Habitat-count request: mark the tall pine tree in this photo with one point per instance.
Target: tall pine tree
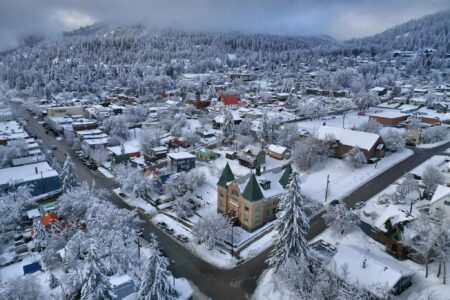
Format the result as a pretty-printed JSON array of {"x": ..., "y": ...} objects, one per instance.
[
  {"x": 155, "y": 283},
  {"x": 95, "y": 284},
  {"x": 291, "y": 225},
  {"x": 67, "y": 176},
  {"x": 228, "y": 128}
]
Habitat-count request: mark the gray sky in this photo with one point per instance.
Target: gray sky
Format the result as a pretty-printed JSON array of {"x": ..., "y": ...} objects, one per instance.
[{"x": 341, "y": 19}]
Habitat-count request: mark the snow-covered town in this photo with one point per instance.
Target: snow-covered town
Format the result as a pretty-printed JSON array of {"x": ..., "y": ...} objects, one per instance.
[{"x": 139, "y": 162}]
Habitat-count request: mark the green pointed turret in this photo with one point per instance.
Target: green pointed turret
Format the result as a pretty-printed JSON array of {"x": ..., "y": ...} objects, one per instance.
[
  {"x": 284, "y": 180},
  {"x": 227, "y": 176},
  {"x": 252, "y": 191}
]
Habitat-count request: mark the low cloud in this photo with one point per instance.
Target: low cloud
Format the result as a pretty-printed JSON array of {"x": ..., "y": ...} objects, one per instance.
[{"x": 342, "y": 19}]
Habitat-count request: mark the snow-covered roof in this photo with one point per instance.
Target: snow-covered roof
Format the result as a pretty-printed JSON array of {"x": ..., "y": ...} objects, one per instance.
[
  {"x": 273, "y": 176},
  {"x": 389, "y": 114},
  {"x": 180, "y": 155},
  {"x": 26, "y": 173},
  {"x": 393, "y": 213},
  {"x": 277, "y": 148},
  {"x": 376, "y": 272},
  {"x": 353, "y": 138},
  {"x": 441, "y": 192},
  {"x": 96, "y": 141}
]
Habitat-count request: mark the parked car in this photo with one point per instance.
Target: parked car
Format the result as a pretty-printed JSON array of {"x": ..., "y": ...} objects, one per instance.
[
  {"x": 123, "y": 195},
  {"x": 359, "y": 205},
  {"x": 161, "y": 225},
  {"x": 169, "y": 230},
  {"x": 334, "y": 202},
  {"x": 54, "y": 147},
  {"x": 182, "y": 238}
]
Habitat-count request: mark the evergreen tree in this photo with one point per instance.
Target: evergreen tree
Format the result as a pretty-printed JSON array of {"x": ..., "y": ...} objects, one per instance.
[
  {"x": 95, "y": 284},
  {"x": 155, "y": 283},
  {"x": 291, "y": 225},
  {"x": 228, "y": 129},
  {"x": 67, "y": 176}
]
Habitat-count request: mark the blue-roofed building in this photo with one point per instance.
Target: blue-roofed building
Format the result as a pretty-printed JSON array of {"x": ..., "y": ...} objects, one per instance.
[{"x": 40, "y": 177}]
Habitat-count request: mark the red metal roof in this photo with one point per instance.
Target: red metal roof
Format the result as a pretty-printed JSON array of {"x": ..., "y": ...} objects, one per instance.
[{"x": 229, "y": 99}]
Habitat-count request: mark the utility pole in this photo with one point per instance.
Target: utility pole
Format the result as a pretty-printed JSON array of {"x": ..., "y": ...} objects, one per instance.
[
  {"x": 343, "y": 119},
  {"x": 173, "y": 272},
  {"x": 326, "y": 189}
]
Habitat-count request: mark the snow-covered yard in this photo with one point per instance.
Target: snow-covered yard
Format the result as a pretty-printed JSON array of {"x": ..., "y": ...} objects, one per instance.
[
  {"x": 345, "y": 179},
  {"x": 136, "y": 202}
]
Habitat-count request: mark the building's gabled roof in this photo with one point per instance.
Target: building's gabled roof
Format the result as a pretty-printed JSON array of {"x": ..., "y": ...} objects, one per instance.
[
  {"x": 284, "y": 180},
  {"x": 227, "y": 176},
  {"x": 348, "y": 137},
  {"x": 441, "y": 192},
  {"x": 252, "y": 191}
]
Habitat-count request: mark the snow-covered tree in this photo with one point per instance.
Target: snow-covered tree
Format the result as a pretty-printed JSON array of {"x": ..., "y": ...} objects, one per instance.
[
  {"x": 434, "y": 134},
  {"x": 41, "y": 236},
  {"x": 14, "y": 204},
  {"x": 228, "y": 128},
  {"x": 176, "y": 185},
  {"x": 183, "y": 207},
  {"x": 149, "y": 139},
  {"x": 393, "y": 139},
  {"x": 313, "y": 109},
  {"x": 339, "y": 217},
  {"x": 371, "y": 126},
  {"x": 74, "y": 203},
  {"x": 267, "y": 131},
  {"x": 116, "y": 126},
  {"x": 291, "y": 226},
  {"x": 364, "y": 100},
  {"x": 22, "y": 287},
  {"x": 131, "y": 180},
  {"x": 422, "y": 238},
  {"x": 431, "y": 178},
  {"x": 355, "y": 157},
  {"x": 407, "y": 188},
  {"x": 212, "y": 228},
  {"x": 95, "y": 283},
  {"x": 309, "y": 151},
  {"x": 67, "y": 176},
  {"x": 441, "y": 248},
  {"x": 155, "y": 282}
]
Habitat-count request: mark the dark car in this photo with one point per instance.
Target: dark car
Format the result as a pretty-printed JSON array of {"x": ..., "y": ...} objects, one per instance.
[
  {"x": 169, "y": 230},
  {"x": 334, "y": 202},
  {"x": 123, "y": 195},
  {"x": 182, "y": 238},
  {"x": 162, "y": 225}
]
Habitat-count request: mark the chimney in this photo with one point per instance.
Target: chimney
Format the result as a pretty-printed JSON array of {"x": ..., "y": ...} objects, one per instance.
[{"x": 36, "y": 170}]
